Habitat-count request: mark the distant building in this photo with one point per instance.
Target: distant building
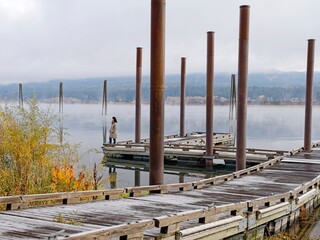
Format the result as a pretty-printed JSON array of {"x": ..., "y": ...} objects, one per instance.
[{"x": 261, "y": 99}]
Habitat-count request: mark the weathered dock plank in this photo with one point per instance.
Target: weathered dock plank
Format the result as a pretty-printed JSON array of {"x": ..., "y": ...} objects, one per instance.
[
  {"x": 218, "y": 204},
  {"x": 17, "y": 227}
]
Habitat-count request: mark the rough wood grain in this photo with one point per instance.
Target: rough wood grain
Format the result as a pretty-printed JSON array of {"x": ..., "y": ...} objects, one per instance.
[{"x": 275, "y": 183}]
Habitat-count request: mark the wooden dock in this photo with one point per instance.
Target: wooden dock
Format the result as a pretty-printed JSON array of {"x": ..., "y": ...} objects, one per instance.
[
  {"x": 267, "y": 197},
  {"x": 190, "y": 147}
]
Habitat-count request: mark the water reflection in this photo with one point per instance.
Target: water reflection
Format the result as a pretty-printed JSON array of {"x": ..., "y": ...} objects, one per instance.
[
  {"x": 264, "y": 122},
  {"x": 137, "y": 178},
  {"x": 175, "y": 171},
  {"x": 269, "y": 127},
  {"x": 113, "y": 177}
]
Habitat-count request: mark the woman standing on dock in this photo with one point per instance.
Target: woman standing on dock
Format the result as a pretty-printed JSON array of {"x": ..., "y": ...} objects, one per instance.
[{"x": 113, "y": 131}]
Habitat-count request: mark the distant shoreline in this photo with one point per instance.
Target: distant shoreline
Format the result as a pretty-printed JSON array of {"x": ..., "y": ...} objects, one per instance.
[
  {"x": 176, "y": 101},
  {"x": 171, "y": 101},
  {"x": 268, "y": 88}
]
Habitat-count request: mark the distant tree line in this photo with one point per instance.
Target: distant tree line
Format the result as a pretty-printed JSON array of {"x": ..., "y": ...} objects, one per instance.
[{"x": 278, "y": 86}]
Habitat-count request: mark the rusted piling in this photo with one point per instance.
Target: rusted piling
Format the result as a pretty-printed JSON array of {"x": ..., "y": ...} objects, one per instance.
[
  {"x": 309, "y": 99},
  {"x": 242, "y": 86},
  {"x": 157, "y": 87},
  {"x": 20, "y": 95},
  {"x": 182, "y": 96},
  {"x": 209, "y": 94},
  {"x": 138, "y": 94}
]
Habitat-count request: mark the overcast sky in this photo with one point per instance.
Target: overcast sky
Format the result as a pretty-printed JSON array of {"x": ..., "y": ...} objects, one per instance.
[{"x": 42, "y": 40}]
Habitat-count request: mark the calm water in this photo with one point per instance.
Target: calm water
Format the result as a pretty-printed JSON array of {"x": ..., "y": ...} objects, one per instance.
[{"x": 269, "y": 127}]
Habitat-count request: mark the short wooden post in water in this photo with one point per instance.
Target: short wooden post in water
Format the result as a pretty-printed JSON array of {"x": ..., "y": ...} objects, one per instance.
[
  {"x": 61, "y": 112},
  {"x": 20, "y": 95},
  {"x": 104, "y": 98},
  {"x": 232, "y": 106},
  {"x": 61, "y": 98},
  {"x": 104, "y": 112}
]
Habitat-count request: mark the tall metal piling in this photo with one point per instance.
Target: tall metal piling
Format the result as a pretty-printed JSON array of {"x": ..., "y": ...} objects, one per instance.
[
  {"x": 182, "y": 96},
  {"x": 242, "y": 86},
  {"x": 20, "y": 96},
  {"x": 209, "y": 94},
  {"x": 157, "y": 87},
  {"x": 138, "y": 94},
  {"x": 309, "y": 98}
]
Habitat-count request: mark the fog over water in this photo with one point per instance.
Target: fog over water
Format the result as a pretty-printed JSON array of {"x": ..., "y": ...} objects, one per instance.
[
  {"x": 269, "y": 127},
  {"x": 265, "y": 123}
]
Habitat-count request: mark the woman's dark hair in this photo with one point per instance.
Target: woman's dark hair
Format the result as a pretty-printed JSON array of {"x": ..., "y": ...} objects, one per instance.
[{"x": 114, "y": 119}]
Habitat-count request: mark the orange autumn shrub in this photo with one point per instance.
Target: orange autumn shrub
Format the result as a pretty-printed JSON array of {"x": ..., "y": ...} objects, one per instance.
[{"x": 63, "y": 179}]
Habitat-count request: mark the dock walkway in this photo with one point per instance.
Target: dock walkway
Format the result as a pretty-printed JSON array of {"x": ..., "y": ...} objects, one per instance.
[
  {"x": 190, "y": 147},
  {"x": 270, "y": 196}
]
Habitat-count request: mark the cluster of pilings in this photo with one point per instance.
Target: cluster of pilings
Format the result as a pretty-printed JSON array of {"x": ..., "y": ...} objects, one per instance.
[
  {"x": 157, "y": 91},
  {"x": 157, "y": 95}
]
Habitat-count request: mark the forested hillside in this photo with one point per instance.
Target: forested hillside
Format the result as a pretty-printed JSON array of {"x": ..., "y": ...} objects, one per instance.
[{"x": 277, "y": 87}]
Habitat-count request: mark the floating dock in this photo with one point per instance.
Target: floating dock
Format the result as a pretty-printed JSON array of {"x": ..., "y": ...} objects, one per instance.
[{"x": 190, "y": 147}]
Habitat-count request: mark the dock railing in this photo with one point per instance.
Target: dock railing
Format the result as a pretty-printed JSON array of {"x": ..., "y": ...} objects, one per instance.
[
  {"x": 278, "y": 210},
  {"x": 222, "y": 221},
  {"x": 25, "y": 201}
]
